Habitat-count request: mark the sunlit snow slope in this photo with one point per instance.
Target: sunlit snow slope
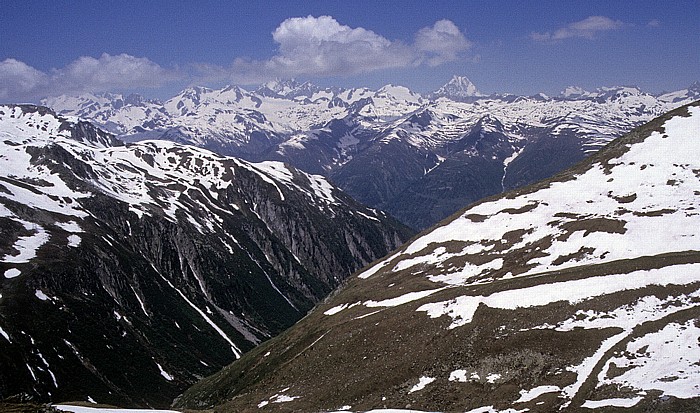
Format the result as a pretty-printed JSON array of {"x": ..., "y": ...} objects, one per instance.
[{"x": 578, "y": 293}]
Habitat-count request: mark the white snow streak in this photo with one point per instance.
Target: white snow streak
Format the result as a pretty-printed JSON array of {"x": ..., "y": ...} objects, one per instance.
[
  {"x": 223, "y": 335},
  {"x": 462, "y": 309}
]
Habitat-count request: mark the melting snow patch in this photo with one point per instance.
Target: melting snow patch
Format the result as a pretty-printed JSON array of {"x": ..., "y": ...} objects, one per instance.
[
  {"x": 70, "y": 226},
  {"x": 584, "y": 370},
  {"x": 40, "y": 295},
  {"x": 594, "y": 404},
  {"x": 27, "y": 246},
  {"x": 339, "y": 308},
  {"x": 163, "y": 373},
  {"x": 422, "y": 382},
  {"x": 4, "y": 334},
  {"x": 493, "y": 377},
  {"x": 73, "y": 240},
  {"x": 628, "y": 316},
  {"x": 665, "y": 360},
  {"x": 462, "y": 309},
  {"x": 82, "y": 409},
  {"x": 490, "y": 409},
  {"x": 278, "y": 398},
  {"x": 402, "y": 299},
  {"x": 12, "y": 273},
  {"x": 459, "y": 375},
  {"x": 528, "y": 395}
]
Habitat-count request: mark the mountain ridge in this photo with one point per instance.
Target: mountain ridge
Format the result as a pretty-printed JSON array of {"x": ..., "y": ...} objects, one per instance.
[
  {"x": 525, "y": 300},
  {"x": 347, "y": 134},
  {"x": 131, "y": 270}
]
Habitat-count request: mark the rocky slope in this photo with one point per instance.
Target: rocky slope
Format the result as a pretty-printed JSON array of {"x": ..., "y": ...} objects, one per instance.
[
  {"x": 578, "y": 293},
  {"x": 417, "y": 157},
  {"x": 127, "y": 272}
]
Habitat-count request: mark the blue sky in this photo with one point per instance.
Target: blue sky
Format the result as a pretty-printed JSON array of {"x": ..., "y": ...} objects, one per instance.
[{"x": 159, "y": 47}]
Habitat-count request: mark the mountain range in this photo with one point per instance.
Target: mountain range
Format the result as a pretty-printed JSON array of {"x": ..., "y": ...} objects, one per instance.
[
  {"x": 578, "y": 293},
  {"x": 419, "y": 158},
  {"x": 129, "y": 271}
]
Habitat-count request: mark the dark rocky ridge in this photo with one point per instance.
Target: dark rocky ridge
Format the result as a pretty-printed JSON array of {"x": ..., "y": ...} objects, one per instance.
[{"x": 220, "y": 256}]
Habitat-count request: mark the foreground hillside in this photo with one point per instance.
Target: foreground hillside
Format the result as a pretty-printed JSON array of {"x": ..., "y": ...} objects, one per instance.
[
  {"x": 580, "y": 293},
  {"x": 127, "y": 272}
]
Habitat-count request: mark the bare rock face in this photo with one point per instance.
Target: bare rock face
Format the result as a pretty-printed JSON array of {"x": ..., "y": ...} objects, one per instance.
[
  {"x": 127, "y": 272},
  {"x": 579, "y": 292}
]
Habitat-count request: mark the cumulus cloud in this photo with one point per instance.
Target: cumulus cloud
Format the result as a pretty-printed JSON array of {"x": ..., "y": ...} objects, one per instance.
[
  {"x": 587, "y": 28},
  {"x": 654, "y": 23},
  {"x": 441, "y": 43},
  {"x": 306, "y": 46},
  {"x": 321, "y": 46},
  {"x": 18, "y": 81},
  {"x": 21, "y": 82}
]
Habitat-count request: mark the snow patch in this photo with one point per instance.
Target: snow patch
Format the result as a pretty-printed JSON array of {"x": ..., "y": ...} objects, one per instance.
[
  {"x": 28, "y": 245},
  {"x": 462, "y": 309},
  {"x": 82, "y": 409},
  {"x": 70, "y": 226},
  {"x": 532, "y": 394},
  {"x": 4, "y": 334},
  {"x": 422, "y": 382},
  {"x": 594, "y": 404},
  {"x": 666, "y": 360},
  {"x": 402, "y": 299},
  {"x": 40, "y": 295},
  {"x": 459, "y": 375},
  {"x": 73, "y": 240},
  {"x": 163, "y": 373}
]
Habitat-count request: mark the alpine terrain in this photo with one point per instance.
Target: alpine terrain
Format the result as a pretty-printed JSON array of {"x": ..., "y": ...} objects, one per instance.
[
  {"x": 129, "y": 271},
  {"x": 420, "y": 158},
  {"x": 578, "y": 293}
]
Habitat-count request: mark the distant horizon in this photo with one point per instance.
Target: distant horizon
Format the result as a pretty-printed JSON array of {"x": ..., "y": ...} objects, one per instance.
[
  {"x": 254, "y": 87},
  {"x": 158, "y": 48}
]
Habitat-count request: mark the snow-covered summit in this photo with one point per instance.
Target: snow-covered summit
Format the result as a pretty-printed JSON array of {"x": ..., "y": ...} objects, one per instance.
[
  {"x": 287, "y": 88},
  {"x": 458, "y": 88}
]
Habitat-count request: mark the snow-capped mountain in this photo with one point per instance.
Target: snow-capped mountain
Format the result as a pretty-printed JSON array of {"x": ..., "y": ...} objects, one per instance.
[
  {"x": 129, "y": 271},
  {"x": 392, "y": 138},
  {"x": 580, "y": 292},
  {"x": 459, "y": 88}
]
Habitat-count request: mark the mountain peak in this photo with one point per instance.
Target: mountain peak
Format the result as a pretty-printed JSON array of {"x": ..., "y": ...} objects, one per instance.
[
  {"x": 695, "y": 87},
  {"x": 288, "y": 88},
  {"x": 459, "y": 87}
]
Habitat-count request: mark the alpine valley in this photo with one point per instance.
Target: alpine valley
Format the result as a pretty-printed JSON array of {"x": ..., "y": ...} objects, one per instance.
[
  {"x": 128, "y": 272},
  {"x": 578, "y": 293},
  {"x": 418, "y": 157}
]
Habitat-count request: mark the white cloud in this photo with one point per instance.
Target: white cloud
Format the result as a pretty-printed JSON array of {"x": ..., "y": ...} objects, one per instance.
[
  {"x": 587, "y": 28},
  {"x": 307, "y": 46},
  {"x": 21, "y": 82},
  {"x": 120, "y": 71},
  {"x": 321, "y": 46},
  {"x": 654, "y": 23},
  {"x": 441, "y": 43}
]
